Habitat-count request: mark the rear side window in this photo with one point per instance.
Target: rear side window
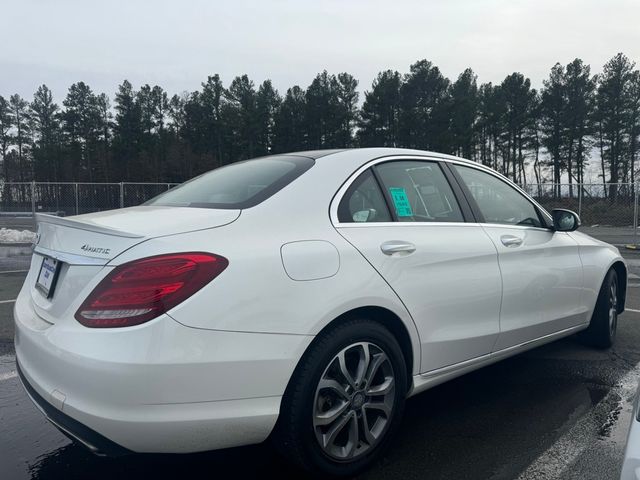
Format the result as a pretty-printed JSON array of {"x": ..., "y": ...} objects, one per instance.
[
  {"x": 363, "y": 202},
  {"x": 498, "y": 201},
  {"x": 419, "y": 192},
  {"x": 236, "y": 186}
]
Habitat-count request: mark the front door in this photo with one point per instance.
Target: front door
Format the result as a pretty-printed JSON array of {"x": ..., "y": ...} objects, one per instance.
[{"x": 541, "y": 269}]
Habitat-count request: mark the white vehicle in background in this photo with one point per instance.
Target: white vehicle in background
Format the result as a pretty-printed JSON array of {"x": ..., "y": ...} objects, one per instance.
[
  {"x": 631, "y": 463},
  {"x": 301, "y": 297}
]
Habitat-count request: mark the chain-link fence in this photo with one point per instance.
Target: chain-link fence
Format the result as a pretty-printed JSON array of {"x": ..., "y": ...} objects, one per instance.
[
  {"x": 608, "y": 211},
  {"x": 20, "y": 200},
  {"x": 611, "y": 205}
]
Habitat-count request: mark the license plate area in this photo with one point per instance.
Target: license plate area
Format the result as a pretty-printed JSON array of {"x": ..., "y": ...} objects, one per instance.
[{"x": 48, "y": 276}]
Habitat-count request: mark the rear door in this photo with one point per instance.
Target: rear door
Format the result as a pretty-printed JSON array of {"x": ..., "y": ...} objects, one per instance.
[
  {"x": 541, "y": 269},
  {"x": 416, "y": 230}
]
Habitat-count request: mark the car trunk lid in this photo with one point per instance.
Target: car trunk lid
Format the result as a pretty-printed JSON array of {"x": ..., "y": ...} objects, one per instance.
[{"x": 84, "y": 244}]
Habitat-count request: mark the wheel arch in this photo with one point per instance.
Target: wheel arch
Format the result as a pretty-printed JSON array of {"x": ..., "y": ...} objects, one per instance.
[{"x": 390, "y": 320}]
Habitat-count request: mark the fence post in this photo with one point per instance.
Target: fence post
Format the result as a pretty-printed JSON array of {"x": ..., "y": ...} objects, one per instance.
[
  {"x": 168, "y": 186},
  {"x": 75, "y": 188},
  {"x": 580, "y": 188},
  {"x": 33, "y": 201},
  {"x": 121, "y": 194},
  {"x": 635, "y": 215}
]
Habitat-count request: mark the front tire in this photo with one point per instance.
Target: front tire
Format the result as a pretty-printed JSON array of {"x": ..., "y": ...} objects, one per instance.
[
  {"x": 344, "y": 401},
  {"x": 604, "y": 322}
]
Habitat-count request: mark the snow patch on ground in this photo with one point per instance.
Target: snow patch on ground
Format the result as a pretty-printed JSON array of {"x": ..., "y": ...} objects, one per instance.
[{"x": 8, "y": 235}]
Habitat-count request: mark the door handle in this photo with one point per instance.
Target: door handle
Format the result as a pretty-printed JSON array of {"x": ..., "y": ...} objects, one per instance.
[
  {"x": 397, "y": 246},
  {"x": 511, "y": 241}
]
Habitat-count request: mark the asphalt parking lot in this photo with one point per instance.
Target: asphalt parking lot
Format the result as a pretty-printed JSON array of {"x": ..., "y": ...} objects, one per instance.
[{"x": 559, "y": 411}]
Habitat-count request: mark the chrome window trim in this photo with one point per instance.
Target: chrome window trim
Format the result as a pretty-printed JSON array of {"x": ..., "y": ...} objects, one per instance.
[
  {"x": 438, "y": 224},
  {"x": 337, "y": 198},
  {"x": 504, "y": 179},
  {"x": 405, "y": 224}
]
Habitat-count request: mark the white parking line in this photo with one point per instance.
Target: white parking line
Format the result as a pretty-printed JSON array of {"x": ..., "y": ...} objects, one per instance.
[
  {"x": 557, "y": 459},
  {"x": 7, "y": 301},
  {"x": 7, "y": 367},
  {"x": 631, "y": 310},
  {"x": 8, "y": 375},
  {"x": 14, "y": 271}
]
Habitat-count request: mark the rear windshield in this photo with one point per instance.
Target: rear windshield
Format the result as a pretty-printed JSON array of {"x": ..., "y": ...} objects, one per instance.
[{"x": 239, "y": 185}]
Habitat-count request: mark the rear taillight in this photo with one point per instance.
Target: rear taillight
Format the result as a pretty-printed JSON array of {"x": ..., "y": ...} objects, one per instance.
[{"x": 139, "y": 291}]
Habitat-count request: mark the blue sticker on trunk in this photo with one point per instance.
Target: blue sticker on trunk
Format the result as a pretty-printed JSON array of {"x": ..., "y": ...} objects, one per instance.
[{"x": 401, "y": 202}]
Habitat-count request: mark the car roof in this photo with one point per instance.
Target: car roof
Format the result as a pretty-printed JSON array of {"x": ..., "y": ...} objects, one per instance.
[
  {"x": 314, "y": 154},
  {"x": 339, "y": 154}
]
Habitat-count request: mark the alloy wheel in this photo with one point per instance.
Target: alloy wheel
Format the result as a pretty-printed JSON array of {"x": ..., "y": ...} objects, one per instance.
[
  {"x": 354, "y": 401},
  {"x": 613, "y": 307}
]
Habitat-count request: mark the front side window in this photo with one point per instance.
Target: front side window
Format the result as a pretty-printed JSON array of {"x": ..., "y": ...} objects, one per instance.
[
  {"x": 239, "y": 185},
  {"x": 498, "y": 201},
  {"x": 419, "y": 192},
  {"x": 363, "y": 202}
]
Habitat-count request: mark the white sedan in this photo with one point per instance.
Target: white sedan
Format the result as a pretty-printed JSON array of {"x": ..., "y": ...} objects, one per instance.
[{"x": 298, "y": 297}]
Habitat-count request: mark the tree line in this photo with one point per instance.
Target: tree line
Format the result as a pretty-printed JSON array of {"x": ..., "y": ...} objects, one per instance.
[{"x": 146, "y": 135}]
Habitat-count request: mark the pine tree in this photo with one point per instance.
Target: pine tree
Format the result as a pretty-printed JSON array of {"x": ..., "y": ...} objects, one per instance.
[
  {"x": 553, "y": 106},
  {"x": 267, "y": 104},
  {"x": 212, "y": 97},
  {"x": 464, "y": 113},
  {"x": 241, "y": 111},
  {"x": 519, "y": 99},
  {"x": 18, "y": 109},
  {"x": 491, "y": 124},
  {"x": 82, "y": 127},
  {"x": 290, "y": 132},
  {"x": 380, "y": 112},
  {"x": 633, "y": 128},
  {"x": 347, "y": 109},
  {"x": 424, "y": 119},
  {"x": 613, "y": 113},
  {"x": 127, "y": 132},
  {"x": 44, "y": 114},
  {"x": 323, "y": 119},
  {"x": 6, "y": 124}
]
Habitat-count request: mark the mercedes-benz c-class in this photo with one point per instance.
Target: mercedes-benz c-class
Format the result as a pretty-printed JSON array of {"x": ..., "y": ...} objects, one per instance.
[{"x": 299, "y": 298}]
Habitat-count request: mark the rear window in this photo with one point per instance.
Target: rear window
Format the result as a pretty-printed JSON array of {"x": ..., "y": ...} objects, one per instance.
[{"x": 239, "y": 185}]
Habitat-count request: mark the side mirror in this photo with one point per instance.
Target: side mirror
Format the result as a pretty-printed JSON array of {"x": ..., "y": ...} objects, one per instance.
[
  {"x": 565, "y": 220},
  {"x": 365, "y": 215}
]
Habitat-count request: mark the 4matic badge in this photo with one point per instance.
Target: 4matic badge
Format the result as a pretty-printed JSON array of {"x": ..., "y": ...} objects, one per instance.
[{"x": 92, "y": 249}]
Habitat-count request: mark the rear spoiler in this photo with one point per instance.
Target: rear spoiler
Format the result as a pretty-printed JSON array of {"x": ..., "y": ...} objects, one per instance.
[{"x": 80, "y": 225}]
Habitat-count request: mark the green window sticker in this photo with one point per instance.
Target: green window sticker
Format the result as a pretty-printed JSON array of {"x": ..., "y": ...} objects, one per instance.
[{"x": 401, "y": 202}]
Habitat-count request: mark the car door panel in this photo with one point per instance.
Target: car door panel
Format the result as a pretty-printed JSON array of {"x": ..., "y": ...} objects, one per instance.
[
  {"x": 542, "y": 283},
  {"x": 450, "y": 284},
  {"x": 542, "y": 273}
]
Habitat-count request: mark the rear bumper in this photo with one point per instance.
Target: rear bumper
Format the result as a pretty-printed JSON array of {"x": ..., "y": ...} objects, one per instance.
[
  {"x": 73, "y": 429},
  {"x": 160, "y": 387}
]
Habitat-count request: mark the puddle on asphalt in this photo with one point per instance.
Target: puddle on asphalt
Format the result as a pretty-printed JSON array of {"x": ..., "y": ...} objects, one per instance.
[
  {"x": 597, "y": 394},
  {"x": 616, "y": 425}
]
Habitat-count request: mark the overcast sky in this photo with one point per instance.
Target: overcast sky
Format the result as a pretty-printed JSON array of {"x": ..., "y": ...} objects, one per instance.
[{"x": 176, "y": 44}]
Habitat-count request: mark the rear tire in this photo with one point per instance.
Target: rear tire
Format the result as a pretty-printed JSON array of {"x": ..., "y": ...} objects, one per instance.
[
  {"x": 604, "y": 321},
  {"x": 334, "y": 423}
]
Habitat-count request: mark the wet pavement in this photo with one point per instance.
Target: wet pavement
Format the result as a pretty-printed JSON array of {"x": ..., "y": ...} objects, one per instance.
[{"x": 559, "y": 411}]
